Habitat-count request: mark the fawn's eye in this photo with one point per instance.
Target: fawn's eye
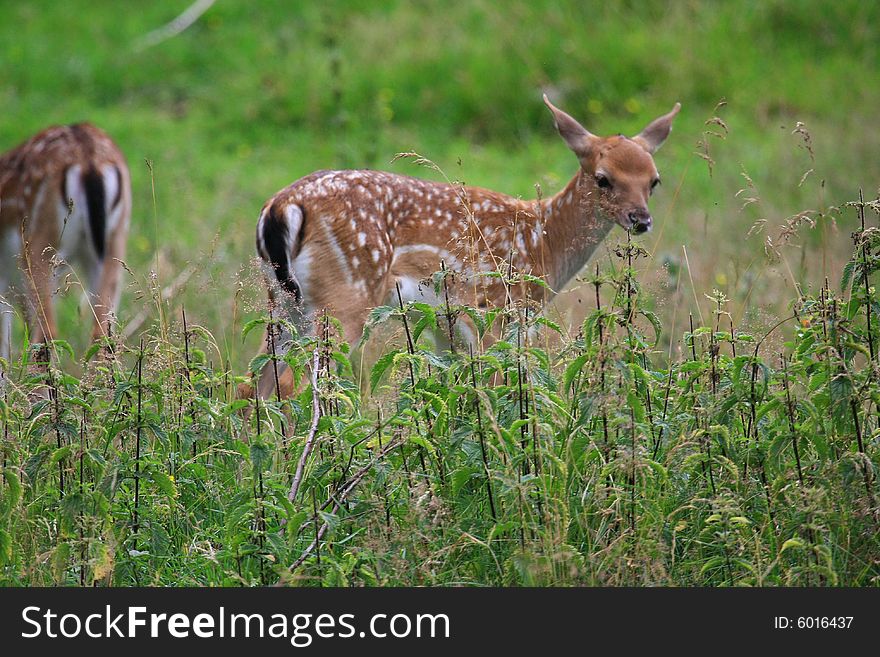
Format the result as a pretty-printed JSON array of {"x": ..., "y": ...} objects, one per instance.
[
  {"x": 654, "y": 184},
  {"x": 602, "y": 181}
]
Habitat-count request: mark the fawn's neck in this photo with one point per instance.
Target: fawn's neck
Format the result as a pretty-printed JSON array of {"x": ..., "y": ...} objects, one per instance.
[{"x": 572, "y": 229}]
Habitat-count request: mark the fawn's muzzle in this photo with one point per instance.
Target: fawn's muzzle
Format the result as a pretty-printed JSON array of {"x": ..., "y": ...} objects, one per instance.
[{"x": 640, "y": 221}]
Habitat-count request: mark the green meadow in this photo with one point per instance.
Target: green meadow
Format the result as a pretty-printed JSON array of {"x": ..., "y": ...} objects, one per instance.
[{"x": 704, "y": 411}]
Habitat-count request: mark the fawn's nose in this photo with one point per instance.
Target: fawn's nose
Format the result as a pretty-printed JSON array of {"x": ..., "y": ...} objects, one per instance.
[{"x": 640, "y": 221}]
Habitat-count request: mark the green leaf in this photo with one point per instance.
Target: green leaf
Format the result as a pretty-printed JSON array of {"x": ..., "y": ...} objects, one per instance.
[
  {"x": 5, "y": 546},
  {"x": 436, "y": 360},
  {"x": 655, "y": 324},
  {"x": 518, "y": 424},
  {"x": 251, "y": 325},
  {"x": 855, "y": 346},
  {"x": 792, "y": 543},
  {"x": 841, "y": 388},
  {"x": 535, "y": 280},
  {"x": 235, "y": 406},
  {"x": 378, "y": 315},
  {"x": 60, "y": 454},
  {"x": 60, "y": 557},
  {"x": 261, "y": 456},
  {"x": 714, "y": 562},
  {"x": 424, "y": 442},
  {"x": 478, "y": 318},
  {"x": 258, "y": 362},
  {"x": 572, "y": 370},
  {"x": 848, "y": 269},
  {"x": 64, "y": 345},
  {"x": 635, "y": 403},
  {"x": 460, "y": 478},
  {"x": 343, "y": 361},
  {"x": 425, "y": 322},
  {"x": 13, "y": 484},
  {"x": 294, "y": 522},
  {"x": 381, "y": 367},
  {"x": 165, "y": 483},
  {"x": 93, "y": 349},
  {"x": 551, "y": 325}
]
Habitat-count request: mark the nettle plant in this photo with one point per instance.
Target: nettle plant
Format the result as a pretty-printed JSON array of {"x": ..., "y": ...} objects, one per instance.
[{"x": 535, "y": 458}]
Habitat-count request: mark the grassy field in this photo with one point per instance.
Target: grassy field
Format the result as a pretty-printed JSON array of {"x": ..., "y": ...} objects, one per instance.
[{"x": 623, "y": 446}]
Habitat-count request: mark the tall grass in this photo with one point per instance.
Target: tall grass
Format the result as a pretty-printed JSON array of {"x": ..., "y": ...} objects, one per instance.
[
  {"x": 745, "y": 461},
  {"x": 701, "y": 411}
]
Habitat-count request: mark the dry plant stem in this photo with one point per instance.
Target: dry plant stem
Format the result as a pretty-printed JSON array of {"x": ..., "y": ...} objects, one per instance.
[
  {"x": 659, "y": 438},
  {"x": 175, "y": 27},
  {"x": 865, "y": 276},
  {"x": 602, "y": 371},
  {"x": 449, "y": 319},
  {"x": 707, "y": 468},
  {"x": 790, "y": 413},
  {"x": 632, "y": 476},
  {"x": 411, "y": 350},
  {"x": 855, "y": 414},
  {"x": 340, "y": 498},
  {"x": 409, "y": 342},
  {"x": 137, "y": 445},
  {"x": 158, "y": 271},
  {"x": 185, "y": 343},
  {"x": 192, "y": 413},
  {"x": 270, "y": 337},
  {"x": 54, "y": 393},
  {"x": 82, "y": 450},
  {"x": 687, "y": 263},
  {"x": 313, "y": 429},
  {"x": 868, "y": 314},
  {"x": 384, "y": 483},
  {"x": 167, "y": 293},
  {"x": 482, "y": 440},
  {"x": 315, "y": 518},
  {"x": 707, "y": 464},
  {"x": 520, "y": 400}
]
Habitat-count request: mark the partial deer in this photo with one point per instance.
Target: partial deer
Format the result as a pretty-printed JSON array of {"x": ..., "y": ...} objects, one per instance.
[
  {"x": 65, "y": 198},
  {"x": 344, "y": 241}
]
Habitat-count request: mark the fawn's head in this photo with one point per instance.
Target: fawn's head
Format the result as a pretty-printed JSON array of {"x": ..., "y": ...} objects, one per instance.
[{"x": 619, "y": 170}]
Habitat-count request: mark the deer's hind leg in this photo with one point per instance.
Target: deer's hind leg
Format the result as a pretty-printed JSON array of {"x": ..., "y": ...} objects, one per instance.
[
  {"x": 38, "y": 263},
  {"x": 347, "y": 307}
]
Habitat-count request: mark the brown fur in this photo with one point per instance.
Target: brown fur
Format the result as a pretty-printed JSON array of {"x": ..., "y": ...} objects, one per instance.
[{"x": 36, "y": 220}]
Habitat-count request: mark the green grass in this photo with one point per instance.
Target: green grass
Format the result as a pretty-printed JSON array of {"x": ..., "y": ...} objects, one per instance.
[
  {"x": 253, "y": 96},
  {"x": 746, "y": 462},
  {"x": 249, "y": 99}
]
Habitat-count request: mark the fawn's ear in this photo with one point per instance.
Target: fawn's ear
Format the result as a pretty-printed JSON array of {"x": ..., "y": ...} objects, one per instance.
[
  {"x": 579, "y": 139},
  {"x": 656, "y": 132}
]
